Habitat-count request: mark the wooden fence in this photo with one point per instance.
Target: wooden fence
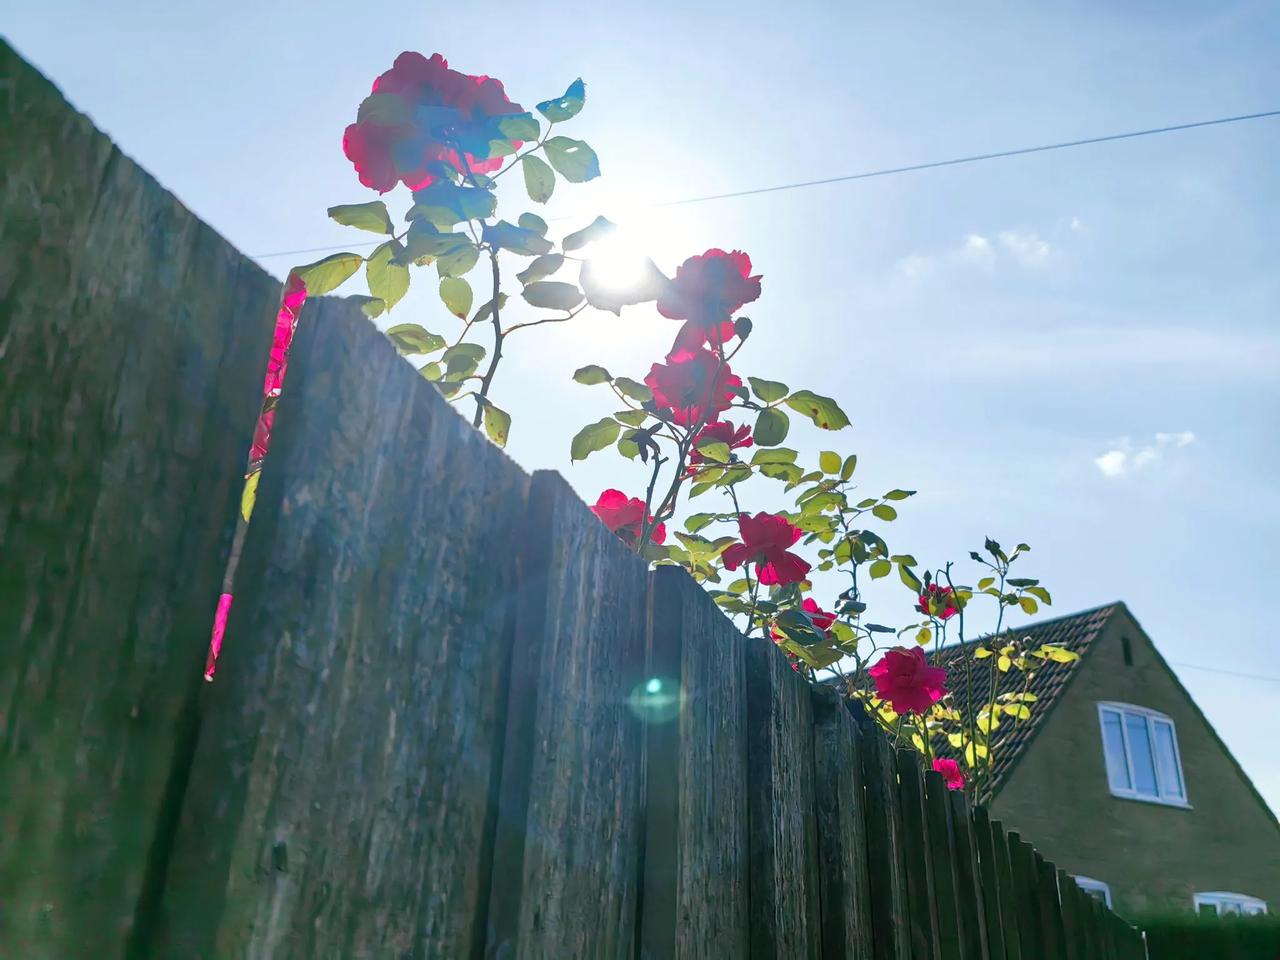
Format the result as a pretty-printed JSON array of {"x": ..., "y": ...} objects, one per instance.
[{"x": 453, "y": 717}]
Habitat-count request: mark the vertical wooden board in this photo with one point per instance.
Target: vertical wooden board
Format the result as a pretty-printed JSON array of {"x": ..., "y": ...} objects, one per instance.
[
  {"x": 1046, "y": 883},
  {"x": 842, "y": 842},
  {"x": 969, "y": 891},
  {"x": 341, "y": 794},
  {"x": 1069, "y": 894},
  {"x": 988, "y": 879},
  {"x": 133, "y": 341},
  {"x": 784, "y": 917},
  {"x": 886, "y": 863},
  {"x": 922, "y": 916},
  {"x": 567, "y": 859},
  {"x": 1008, "y": 893},
  {"x": 1027, "y": 900},
  {"x": 942, "y": 866},
  {"x": 694, "y": 898}
]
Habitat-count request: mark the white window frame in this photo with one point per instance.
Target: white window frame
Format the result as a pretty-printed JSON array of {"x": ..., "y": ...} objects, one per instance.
[
  {"x": 1163, "y": 795},
  {"x": 1239, "y": 903},
  {"x": 1089, "y": 884}
]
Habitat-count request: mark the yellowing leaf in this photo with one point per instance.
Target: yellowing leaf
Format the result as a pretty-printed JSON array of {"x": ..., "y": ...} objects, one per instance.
[{"x": 250, "y": 495}]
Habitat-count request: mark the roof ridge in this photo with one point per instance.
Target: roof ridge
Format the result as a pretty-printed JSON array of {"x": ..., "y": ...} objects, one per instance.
[{"x": 1037, "y": 625}]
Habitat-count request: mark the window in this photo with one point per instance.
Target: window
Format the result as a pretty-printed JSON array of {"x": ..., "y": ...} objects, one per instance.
[
  {"x": 1141, "y": 751},
  {"x": 1094, "y": 888},
  {"x": 1223, "y": 903}
]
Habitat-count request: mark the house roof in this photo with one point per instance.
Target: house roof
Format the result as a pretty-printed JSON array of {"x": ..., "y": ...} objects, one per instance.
[{"x": 1076, "y": 632}]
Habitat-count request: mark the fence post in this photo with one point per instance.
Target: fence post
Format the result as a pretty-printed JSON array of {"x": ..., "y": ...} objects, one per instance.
[
  {"x": 693, "y": 706},
  {"x": 916, "y": 842},
  {"x": 989, "y": 881},
  {"x": 885, "y": 855},
  {"x": 1009, "y": 905},
  {"x": 1069, "y": 893},
  {"x": 942, "y": 862},
  {"x": 1050, "y": 909},
  {"x": 842, "y": 848},
  {"x": 969, "y": 892}
]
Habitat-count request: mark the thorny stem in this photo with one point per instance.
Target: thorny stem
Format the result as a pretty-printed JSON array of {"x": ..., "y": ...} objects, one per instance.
[{"x": 483, "y": 395}]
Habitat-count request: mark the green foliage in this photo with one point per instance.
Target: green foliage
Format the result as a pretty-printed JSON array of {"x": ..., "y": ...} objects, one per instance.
[
  {"x": 591, "y": 375},
  {"x": 565, "y": 107},
  {"x": 540, "y": 268},
  {"x": 593, "y": 437},
  {"x": 769, "y": 391},
  {"x": 539, "y": 178},
  {"x": 823, "y": 411},
  {"x": 771, "y": 427},
  {"x": 414, "y": 339},
  {"x": 1190, "y": 936},
  {"x": 456, "y": 295},
  {"x": 598, "y": 229},
  {"x": 572, "y": 159},
  {"x": 553, "y": 295},
  {"x": 388, "y": 277},
  {"x": 371, "y": 216},
  {"x": 507, "y": 236},
  {"x": 328, "y": 274}
]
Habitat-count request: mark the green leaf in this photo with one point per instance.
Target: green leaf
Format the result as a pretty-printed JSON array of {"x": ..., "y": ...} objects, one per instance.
[
  {"x": 697, "y": 521},
  {"x": 899, "y": 494},
  {"x": 880, "y": 568},
  {"x": 907, "y": 576},
  {"x": 552, "y": 295},
  {"x": 457, "y": 296},
  {"x": 597, "y": 229},
  {"x": 591, "y": 375},
  {"x": 850, "y": 465},
  {"x": 774, "y": 455},
  {"x": 540, "y": 268},
  {"x": 771, "y": 427},
  {"x": 445, "y": 203},
  {"x": 1028, "y": 605},
  {"x": 371, "y": 216},
  {"x": 507, "y": 236},
  {"x": 457, "y": 262},
  {"x": 413, "y": 339},
  {"x": 388, "y": 277},
  {"x": 829, "y": 461},
  {"x": 714, "y": 451},
  {"x": 539, "y": 179},
  {"x": 462, "y": 359},
  {"x": 328, "y": 274},
  {"x": 632, "y": 418},
  {"x": 986, "y": 582},
  {"x": 823, "y": 411},
  {"x": 371, "y": 307},
  {"x": 424, "y": 242},
  {"x": 573, "y": 159},
  {"x": 1042, "y": 593},
  {"x": 635, "y": 391},
  {"x": 565, "y": 107},
  {"x": 531, "y": 221},
  {"x": 885, "y": 512},
  {"x": 519, "y": 126},
  {"x": 627, "y": 445},
  {"x": 593, "y": 437},
  {"x": 769, "y": 391},
  {"x": 497, "y": 424},
  {"x": 485, "y": 312}
]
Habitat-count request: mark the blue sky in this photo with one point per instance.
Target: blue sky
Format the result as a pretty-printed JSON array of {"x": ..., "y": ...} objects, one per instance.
[{"x": 1076, "y": 349}]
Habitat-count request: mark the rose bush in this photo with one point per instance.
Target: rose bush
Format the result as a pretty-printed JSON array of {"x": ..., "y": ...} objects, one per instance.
[{"x": 781, "y": 529}]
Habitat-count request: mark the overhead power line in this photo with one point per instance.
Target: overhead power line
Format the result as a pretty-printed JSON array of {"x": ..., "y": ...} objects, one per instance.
[
  {"x": 889, "y": 171},
  {"x": 1229, "y": 673}
]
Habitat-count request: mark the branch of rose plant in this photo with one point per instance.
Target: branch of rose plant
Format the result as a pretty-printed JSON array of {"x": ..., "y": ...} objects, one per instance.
[
  {"x": 520, "y": 156},
  {"x": 967, "y": 657},
  {"x": 995, "y": 672},
  {"x": 483, "y": 396},
  {"x": 537, "y": 323}
]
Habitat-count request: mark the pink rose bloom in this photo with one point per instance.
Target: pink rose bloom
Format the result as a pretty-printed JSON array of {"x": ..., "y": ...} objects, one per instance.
[
  {"x": 904, "y": 678},
  {"x": 951, "y": 773}
]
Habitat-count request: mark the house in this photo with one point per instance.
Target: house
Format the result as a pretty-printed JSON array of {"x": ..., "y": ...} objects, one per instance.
[{"x": 1120, "y": 779}]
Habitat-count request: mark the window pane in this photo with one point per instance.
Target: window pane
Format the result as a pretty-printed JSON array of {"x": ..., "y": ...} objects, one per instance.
[
  {"x": 1167, "y": 758},
  {"x": 1113, "y": 740},
  {"x": 1144, "y": 763}
]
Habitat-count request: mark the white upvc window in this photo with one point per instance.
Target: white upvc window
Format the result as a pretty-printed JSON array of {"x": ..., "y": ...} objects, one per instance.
[
  {"x": 1223, "y": 903},
  {"x": 1095, "y": 888},
  {"x": 1140, "y": 747}
]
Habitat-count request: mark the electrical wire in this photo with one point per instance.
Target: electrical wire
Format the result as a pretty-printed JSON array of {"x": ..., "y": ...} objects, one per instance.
[{"x": 890, "y": 171}]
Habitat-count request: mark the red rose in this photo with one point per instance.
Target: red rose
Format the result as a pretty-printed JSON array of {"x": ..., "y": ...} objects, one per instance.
[
  {"x": 424, "y": 113},
  {"x": 821, "y": 619},
  {"x": 951, "y": 773},
  {"x": 765, "y": 538},
  {"x": 904, "y": 678},
  {"x": 693, "y": 385},
  {"x": 705, "y": 293},
  {"x": 722, "y": 431},
  {"x": 938, "y": 602},
  {"x": 625, "y": 517}
]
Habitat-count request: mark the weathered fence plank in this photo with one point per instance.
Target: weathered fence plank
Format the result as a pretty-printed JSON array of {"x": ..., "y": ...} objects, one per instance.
[
  {"x": 567, "y": 860},
  {"x": 1009, "y": 911},
  {"x": 942, "y": 866},
  {"x": 784, "y": 916},
  {"x": 132, "y": 345},
  {"x": 988, "y": 880},
  {"x": 1046, "y": 882},
  {"x": 842, "y": 842},
  {"x": 922, "y": 919},
  {"x": 694, "y": 899},
  {"x": 341, "y": 799},
  {"x": 885, "y": 847},
  {"x": 968, "y": 883}
]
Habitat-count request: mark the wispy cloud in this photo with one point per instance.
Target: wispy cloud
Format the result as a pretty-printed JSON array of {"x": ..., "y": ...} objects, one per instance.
[
  {"x": 1126, "y": 458},
  {"x": 1021, "y": 248}
]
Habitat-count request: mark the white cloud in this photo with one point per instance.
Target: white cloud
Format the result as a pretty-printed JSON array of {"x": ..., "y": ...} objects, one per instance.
[
  {"x": 1025, "y": 248},
  {"x": 1126, "y": 458}
]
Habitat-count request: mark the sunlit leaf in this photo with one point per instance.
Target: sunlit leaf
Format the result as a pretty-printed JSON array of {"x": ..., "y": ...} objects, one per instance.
[
  {"x": 591, "y": 375},
  {"x": 552, "y": 295},
  {"x": 768, "y": 391},
  {"x": 567, "y": 106},
  {"x": 328, "y": 274},
  {"x": 771, "y": 427},
  {"x": 823, "y": 411},
  {"x": 572, "y": 159},
  {"x": 413, "y": 339},
  {"x": 593, "y": 437},
  {"x": 371, "y": 216},
  {"x": 539, "y": 179},
  {"x": 497, "y": 424},
  {"x": 388, "y": 277},
  {"x": 456, "y": 295}
]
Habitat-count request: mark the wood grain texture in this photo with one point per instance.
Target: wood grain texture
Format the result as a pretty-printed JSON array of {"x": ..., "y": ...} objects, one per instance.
[
  {"x": 842, "y": 843},
  {"x": 988, "y": 878},
  {"x": 922, "y": 905},
  {"x": 784, "y": 916},
  {"x": 341, "y": 795},
  {"x": 968, "y": 880},
  {"x": 1046, "y": 883},
  {"x": 942, "y": 860},
  {"x": 886, "y": 856},
  {"x": 695, "y": 865},
  {"x": 567, "y": 862},
  {"x": 1009, "y": 903},
  {"x": 132, "y": 346}
]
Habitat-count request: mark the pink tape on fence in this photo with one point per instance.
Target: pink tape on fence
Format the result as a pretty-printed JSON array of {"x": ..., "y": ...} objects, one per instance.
[{"x": 292, "y": 298}]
